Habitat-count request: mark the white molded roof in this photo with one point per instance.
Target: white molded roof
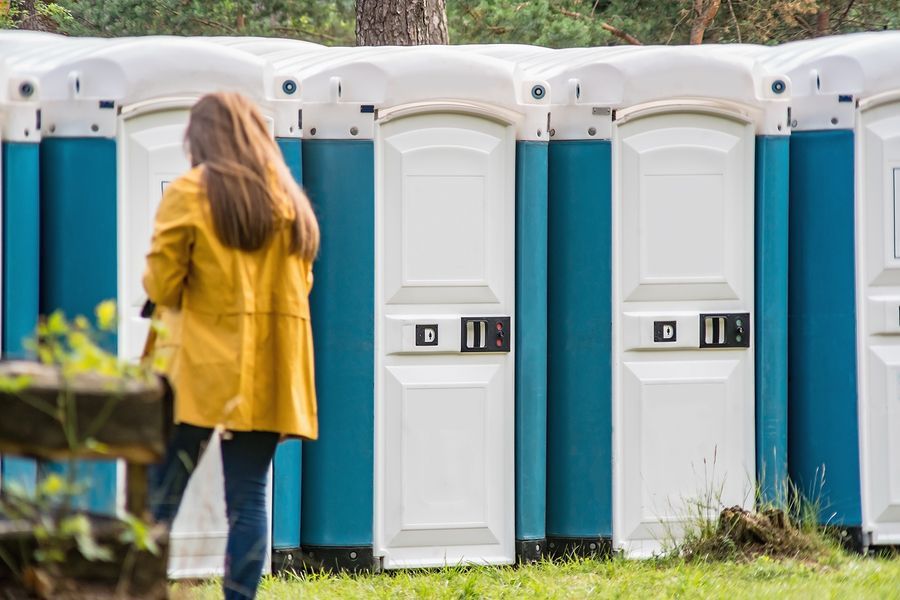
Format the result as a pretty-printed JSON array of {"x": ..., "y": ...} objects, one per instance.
[
  {"x": 339, "y": 78},
  {"x": 130, "y": 70},
  {"x": 79, "y": 79},
  {"x": 262, "y": 45},
  {"x": 273, "y": 51},
  {"x": 391, "y": 76},
  {"x": 20, "y": 92},
  {"x": 621, "y": 76},
  {"x": 16, "y": 46},
  {"x": 863, "y": 64},
  {"x": 830, "y": 75}
]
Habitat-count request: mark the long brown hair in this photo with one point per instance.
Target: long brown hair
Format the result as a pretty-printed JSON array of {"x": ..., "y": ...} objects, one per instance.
[{"x": 228, "y": 136}]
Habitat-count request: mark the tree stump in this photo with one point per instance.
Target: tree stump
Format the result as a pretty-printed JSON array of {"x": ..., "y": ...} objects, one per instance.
[
  {"x": 130, "y": 419},
  {"x": 130, "y": 574},
  {"x": 47, "y": 416}
]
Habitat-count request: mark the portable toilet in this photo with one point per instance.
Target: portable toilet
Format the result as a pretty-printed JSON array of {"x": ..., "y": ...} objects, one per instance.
[
  {"x": 288, "y": 60},
  {"x": 23, "y": 303},
  {"x": 287, "y": 464},
  {"x": 531, "y": 414},
  {"x": 845, "y": 280},
  {"x": 30, "y": 55},
  {"x": 667, "y": 290},
  {"x": 572, "y": 518},
  {"x": 19, "y": 197},
  {"x": 427, "y": 169},
  {"x": 113, "y": 116}
]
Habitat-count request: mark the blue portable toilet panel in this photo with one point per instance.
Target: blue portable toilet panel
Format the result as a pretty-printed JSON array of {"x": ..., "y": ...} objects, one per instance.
[
  {"x": 654, "y": 187},
  {"x": 113, "y": 116},
  {"x": 428, "y": 438},
  {"x": 845, "y": 188},
  {"x": 19, "y": 198},
  {"x": 577, "y": 498}
]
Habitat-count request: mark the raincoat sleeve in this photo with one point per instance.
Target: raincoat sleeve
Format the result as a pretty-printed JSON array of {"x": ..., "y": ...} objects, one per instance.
[{"x": 170, "y": 248}]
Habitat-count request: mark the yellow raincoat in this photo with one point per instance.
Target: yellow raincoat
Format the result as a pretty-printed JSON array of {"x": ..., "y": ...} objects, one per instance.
[{"x": 241, "y": 337}]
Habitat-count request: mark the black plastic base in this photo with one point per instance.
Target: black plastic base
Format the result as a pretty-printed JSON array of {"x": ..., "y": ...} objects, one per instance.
[
  {"x": 565, "y": 547},
  {"x": 530, "y": 551},
  {"x": 332, "y": 559},
  {"x": 286, "y": 560},
  {"x": 853, "y": 539}
]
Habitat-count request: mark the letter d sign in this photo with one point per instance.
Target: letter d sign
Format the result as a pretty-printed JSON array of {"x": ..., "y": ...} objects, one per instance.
[
  {"x": 664, "y": 331},
  {"x": 427, "y": 335}
]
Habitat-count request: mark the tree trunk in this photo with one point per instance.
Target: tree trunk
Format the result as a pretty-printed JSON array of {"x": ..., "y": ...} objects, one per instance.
[
  {"x": 705, "y": 13},
  {"x": 401, "y": 22},
  {"x": 28, "y": 17},
  {"x": 823, "y": 18}
]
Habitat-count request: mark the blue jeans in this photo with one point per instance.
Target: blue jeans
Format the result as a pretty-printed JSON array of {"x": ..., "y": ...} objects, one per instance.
[{"x": 245, "y": 460}]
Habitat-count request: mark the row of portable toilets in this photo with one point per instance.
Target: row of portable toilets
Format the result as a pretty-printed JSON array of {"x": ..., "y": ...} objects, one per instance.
[{"x": 562, "y": 295}]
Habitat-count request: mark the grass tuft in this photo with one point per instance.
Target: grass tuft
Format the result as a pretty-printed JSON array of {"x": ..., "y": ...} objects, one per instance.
[
  {"x": 785, "y": 529},
  {"x": 742, "y": 535}
]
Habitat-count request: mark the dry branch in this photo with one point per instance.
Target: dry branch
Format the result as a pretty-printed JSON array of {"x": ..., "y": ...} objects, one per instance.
[
  {"x": 619, "y": 33},
  {"x": 706, "y": 11},
  {"x": 623, "y": 35},
  {"x": 737, "y": 24},
  {"x": 843, "y": 16}
]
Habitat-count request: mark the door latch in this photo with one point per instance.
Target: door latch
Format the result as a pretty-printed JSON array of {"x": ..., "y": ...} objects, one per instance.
[
  {"x": 485, "y": 334},
  {"x": 725, "y": 330}
]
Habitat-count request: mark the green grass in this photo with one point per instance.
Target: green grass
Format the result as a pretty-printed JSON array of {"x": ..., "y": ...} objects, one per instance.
[
  {"x": 839, "y": 576},
  {"x": 729, "y": 556}
]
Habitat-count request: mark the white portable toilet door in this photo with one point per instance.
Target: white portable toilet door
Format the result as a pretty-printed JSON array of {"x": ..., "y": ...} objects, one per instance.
[
  {"x": 152, "y": 155},
  {"x": 878, "y": 273},
  {"x": 683, "y": 381},
  {"x": 445, "y": 414}
]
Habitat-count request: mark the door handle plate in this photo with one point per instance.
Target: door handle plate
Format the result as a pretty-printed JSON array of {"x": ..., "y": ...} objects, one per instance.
[
  {"x": 485, "y": 334},
  {"x": 725, "y": 330}
]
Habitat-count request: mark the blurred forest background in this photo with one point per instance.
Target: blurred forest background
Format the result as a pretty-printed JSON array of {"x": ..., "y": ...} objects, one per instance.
[{"x": 555, "y": 23}]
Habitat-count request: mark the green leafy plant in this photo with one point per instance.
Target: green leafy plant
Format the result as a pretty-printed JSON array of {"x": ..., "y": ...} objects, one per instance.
[
  {"x": 34, "y": 14},
  {"x": 74, "y": 350}
]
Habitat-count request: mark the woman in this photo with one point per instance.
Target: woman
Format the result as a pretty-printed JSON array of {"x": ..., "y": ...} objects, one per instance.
[{"x": 232, "y": 251}]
